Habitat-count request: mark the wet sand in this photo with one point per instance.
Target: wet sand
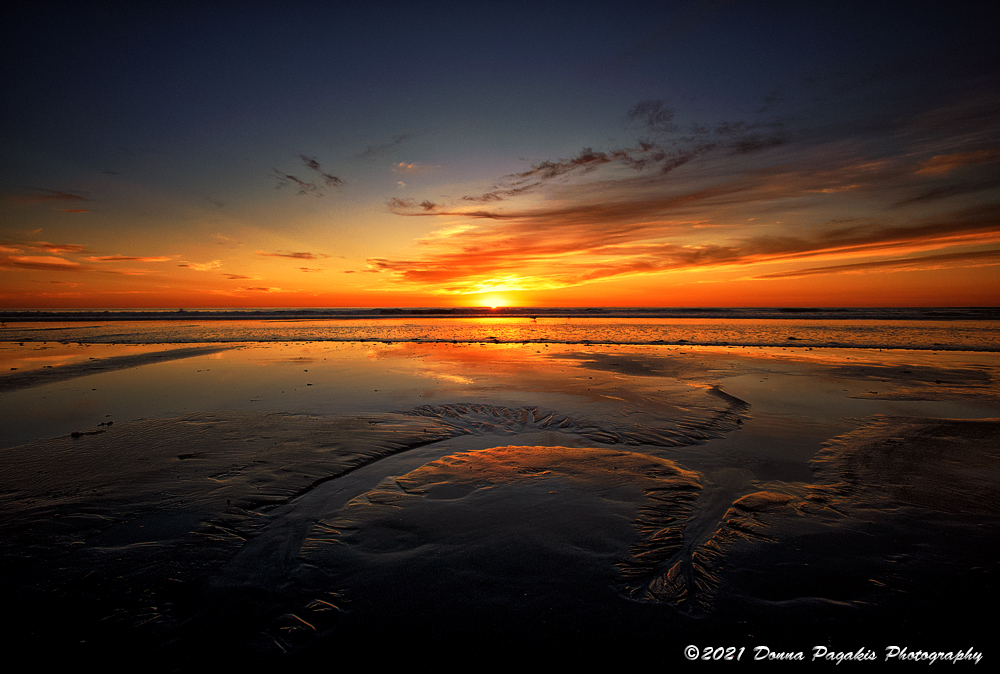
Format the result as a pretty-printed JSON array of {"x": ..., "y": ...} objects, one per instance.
[{"x": 567, "y": 501}]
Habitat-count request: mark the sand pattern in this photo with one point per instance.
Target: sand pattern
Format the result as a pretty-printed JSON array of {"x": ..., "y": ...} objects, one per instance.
[
  {"x": 149, "y": 506},
  {"x": 717, "y": 414},
  {"x": 293, "y": 535}
]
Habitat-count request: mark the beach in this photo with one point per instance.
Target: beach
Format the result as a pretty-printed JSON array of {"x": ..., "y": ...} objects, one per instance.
[{"x": 293, "y": 501}]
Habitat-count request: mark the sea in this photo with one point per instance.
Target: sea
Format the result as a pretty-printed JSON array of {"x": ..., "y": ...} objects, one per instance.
[{"x": 929, "y": 329}]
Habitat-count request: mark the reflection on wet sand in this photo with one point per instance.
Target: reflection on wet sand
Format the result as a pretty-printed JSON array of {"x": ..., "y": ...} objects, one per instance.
[{"x": 532, "y": 497}]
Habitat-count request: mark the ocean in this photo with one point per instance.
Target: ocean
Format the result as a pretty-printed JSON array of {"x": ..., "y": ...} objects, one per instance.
[{"x": 950, "y": 329}]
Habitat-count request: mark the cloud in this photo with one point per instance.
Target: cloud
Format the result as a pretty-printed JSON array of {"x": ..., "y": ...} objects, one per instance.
[
  {"x": 258, "y": 289},
  {"x": 394, "y": 143},
  {"x": 402, "y": 206},
  {"x": 305, "y": 187},
  {"x": 961, "y": 259},
  {"x": 294, "y": 255},
  {"x": 403, "y": 167},
  {"x": 41, "y": 195},
  {"x": 127, "y": 271},
  {"x": 328, "y": 179},
  {"x": 222, "y": 240},
  {"x": 207, "y": 266},
  {"x": 575, "y": 243},
  {"x": 610, "y": 213},
  {"x": 125, "y": 258},
  {"x": 446, "y": 232},
  {"x": 53, "y": 261},
  {"x": 948, "y": 191},
  {"x": 55, "y": 247},
  {"x": 671, "y": 149},
  {"x": 945, "y": 163},
  {"x": 40, "y": 262},
  {"x": 307, "y": 269},
  {"x": 239, "y": 277},
  {"x": 74, "y": 210},
  {"x": 654, "y": 116}
]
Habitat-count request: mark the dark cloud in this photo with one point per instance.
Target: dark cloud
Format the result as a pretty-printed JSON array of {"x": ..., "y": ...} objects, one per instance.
[
  {"x": 654, "y": 116},
  {"x": 670, "y": 150},
  {"x": 402, "y": 206},
  {"x": 304, "y": 187},
  {"x": 294, "y": 255},
  {"x": 40, "y": 195},
  {"x": 962, "y": 259},
  {"x": 379, "y": 150},
  {"x": 40, "y": 263},
  {"x": 328, "y": 180},
  {"x": 125, "y": 258},
  {"x": 947, "y": 191},
  {"x": 55, "y": 247}
]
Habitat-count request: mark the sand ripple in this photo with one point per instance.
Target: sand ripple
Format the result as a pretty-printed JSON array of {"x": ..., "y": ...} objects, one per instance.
[{"x": 718, "y": 414}]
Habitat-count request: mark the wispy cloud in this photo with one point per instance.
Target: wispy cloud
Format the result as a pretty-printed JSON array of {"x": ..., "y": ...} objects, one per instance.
[
  {"x": 303, "y": 186},
  {"x": 405, "y": 206},
  {"x": 580, "y": 243},
  {"x": 54, "y": 260},
  {"x": 205, "y": 266},
  {"x": 963, "y": 259},
  {"x": 55, "y": 247},
  {"x": 666, "y": 148},
  {"x": 403, "y": 167},
  {"x": 126, "y": 258},
  {"x": 223, "y": 240},
  {"x": 40, "y": 262},
  {"x": 294, "y": 255},
  {"x": 751, "y": 192},
  {"x": 945, "y": 163},
  {"x": 36, "y": 195},
  {"x": 392, "y": 145}
]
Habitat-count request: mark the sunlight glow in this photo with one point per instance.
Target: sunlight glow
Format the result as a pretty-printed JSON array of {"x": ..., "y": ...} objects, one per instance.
[{"x": 494, "y": 301}]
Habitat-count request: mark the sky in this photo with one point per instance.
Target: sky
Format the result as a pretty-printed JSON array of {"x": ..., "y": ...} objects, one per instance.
[{"x": 695, "y": 153}]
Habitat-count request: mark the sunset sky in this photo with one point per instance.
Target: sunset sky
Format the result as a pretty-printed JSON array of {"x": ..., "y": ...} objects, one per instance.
[{"x": 467, "y": 154}]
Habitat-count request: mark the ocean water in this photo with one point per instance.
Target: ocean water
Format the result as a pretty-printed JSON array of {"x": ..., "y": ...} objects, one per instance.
[{"x": 974, "y": 329}]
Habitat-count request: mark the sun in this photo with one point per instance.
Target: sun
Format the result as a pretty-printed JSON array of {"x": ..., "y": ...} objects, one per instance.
[{"x": 494, "y": 301}]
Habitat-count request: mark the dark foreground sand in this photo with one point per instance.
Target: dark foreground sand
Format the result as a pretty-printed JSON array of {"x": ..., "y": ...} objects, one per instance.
[{"x": 614, "y": 503}]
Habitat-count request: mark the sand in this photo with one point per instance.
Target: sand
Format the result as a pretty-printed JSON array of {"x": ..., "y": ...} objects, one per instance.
[{"x": 568, "y": 502}]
